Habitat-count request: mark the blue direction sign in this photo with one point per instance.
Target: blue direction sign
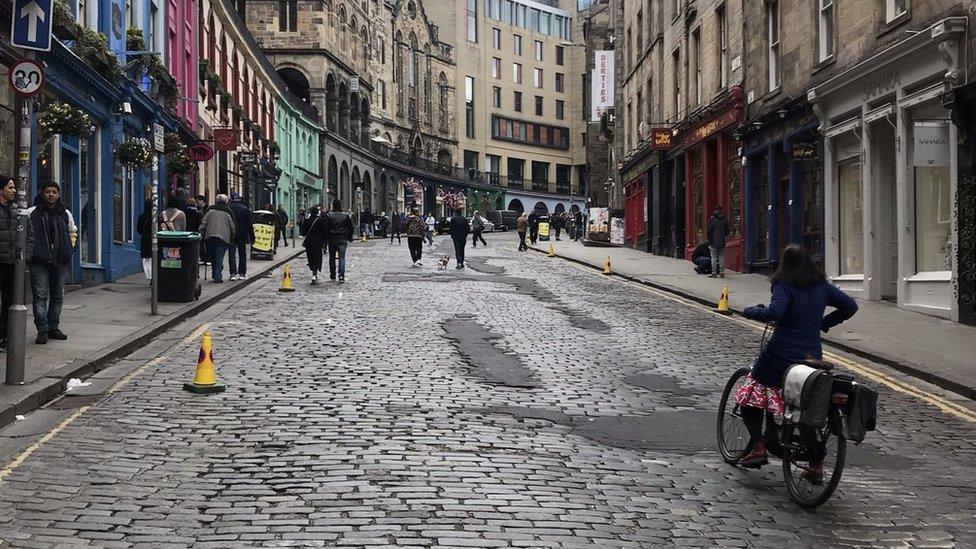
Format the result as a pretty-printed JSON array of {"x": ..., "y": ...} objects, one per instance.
[{"x": 30, "y": 27}]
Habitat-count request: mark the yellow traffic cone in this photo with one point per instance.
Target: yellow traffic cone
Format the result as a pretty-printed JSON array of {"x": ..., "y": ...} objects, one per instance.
[
  {"x": 286, "y": 283},
  {"x": 205, "y": 379},
  {"x": 723, "y": 302},
  {"x": 606, "y": 267},
  {"x": 552, "y": 251},
  {"x": 363, "y": 237}
]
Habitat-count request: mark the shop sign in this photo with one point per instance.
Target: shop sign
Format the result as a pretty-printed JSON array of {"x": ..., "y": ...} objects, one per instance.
[
  {"x": 353, "y": 84},
  {"x": 804, "y": 149},
  {"x": 660, "y": 139},
  {"x": 931, "y": 144},
  {"x": 602, "y": 78},
  {"x": 159, "y": 138},
  {"x": 199, "y": 152},
  {"x": 225, "y": 139},
  {"x": 707, "y": 129}
]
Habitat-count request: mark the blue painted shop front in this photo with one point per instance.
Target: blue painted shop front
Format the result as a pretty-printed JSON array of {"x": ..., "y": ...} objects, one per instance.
[{"x": 104, "y": 198}]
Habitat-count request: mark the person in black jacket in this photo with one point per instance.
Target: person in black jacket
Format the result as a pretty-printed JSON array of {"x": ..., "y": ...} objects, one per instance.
[
  {"x": 9, "y": 251},
  {"x": 54, "y": 236},
  {"x": 144, "y": 228},
  {"x": 460, "y": 228},
  {"x": 242, "y": 237},
  {"x": 340, "y": 229},
  {"x": 718, "y": 233},
  {"x": 534, "y": 226},
  {"x": 315, "y": 228}
]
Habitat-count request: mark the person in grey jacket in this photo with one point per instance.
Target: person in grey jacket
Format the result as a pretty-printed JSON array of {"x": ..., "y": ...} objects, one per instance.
[
  {"x": 9, "y": 251},
  {"x": 218, "y": 230}
]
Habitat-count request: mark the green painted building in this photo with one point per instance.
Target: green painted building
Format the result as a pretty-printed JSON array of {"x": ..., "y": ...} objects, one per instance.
[{"x": 297, "y": 135}]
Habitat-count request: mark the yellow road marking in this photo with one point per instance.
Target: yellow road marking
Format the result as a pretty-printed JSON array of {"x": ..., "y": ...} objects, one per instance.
[
  {"x": 5, "y": 472},
  {"x": 118, "y": 385},
  {"x": 197, "y": 334},
  {"x": 946, "y": 406}
]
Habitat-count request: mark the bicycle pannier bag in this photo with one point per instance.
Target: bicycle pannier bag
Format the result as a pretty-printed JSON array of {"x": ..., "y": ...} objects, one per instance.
[
  {"x": 861, "y": 409},
  {"x": 806, "y": 392}
]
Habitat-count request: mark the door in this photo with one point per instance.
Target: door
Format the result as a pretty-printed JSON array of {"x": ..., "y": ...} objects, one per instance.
[{"x": 68, "y": 179}]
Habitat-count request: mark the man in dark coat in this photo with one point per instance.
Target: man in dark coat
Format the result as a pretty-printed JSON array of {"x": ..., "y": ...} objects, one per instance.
[
  {"x": 340, "y": 231},
  {"x": 396, "y": 227},
  {"x": 460, "y": 228},
  {"x": 282, "y": 225},
  {"x": 54, "y": 235},
  {"x": 9, "y": 251},
  {"x": 243, "y": 236},
  {"x": 718, "y": 232},
  {"x": 315, "y": 228},
  {"x": 534, "y": 226}
]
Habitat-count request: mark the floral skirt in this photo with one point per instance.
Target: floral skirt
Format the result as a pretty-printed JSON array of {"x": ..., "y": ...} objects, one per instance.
[{"x": 757, "y": 395}]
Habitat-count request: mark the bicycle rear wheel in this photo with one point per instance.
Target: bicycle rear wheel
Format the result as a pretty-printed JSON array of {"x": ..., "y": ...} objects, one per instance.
[
  {"x": 805, "y": 487},
  {"x": 733, "y": 437}
]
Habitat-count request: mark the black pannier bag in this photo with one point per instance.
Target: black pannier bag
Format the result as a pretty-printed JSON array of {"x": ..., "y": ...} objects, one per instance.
[
  {"x": 806, "y": 392},
  {"x": 861, "y": 410}
]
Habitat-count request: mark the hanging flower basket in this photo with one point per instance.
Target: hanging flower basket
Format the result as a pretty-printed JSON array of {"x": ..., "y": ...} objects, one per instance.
[
  {"x": 177, "y": 162},
  {"x": 134, "y": 153},
  {"x": 92, "y": 46},
  {"x": 63, "y": 119}
]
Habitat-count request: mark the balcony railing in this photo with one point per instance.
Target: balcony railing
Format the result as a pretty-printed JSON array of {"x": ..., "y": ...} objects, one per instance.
[{"x": 489, "y": 179}]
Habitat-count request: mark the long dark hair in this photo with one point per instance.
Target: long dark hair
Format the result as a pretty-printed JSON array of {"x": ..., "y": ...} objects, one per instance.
[{"x": 797, "y": 268}]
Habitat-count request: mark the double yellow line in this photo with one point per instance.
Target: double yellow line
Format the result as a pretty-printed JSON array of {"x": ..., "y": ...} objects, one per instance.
[{"x": 941, "y": 403}]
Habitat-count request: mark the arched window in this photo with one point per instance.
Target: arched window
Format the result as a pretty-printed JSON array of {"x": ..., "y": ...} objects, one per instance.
[
  {"x": 442, "y": 100},
  {"x": 342, "y": 26},
  {"x": 412, "y": 71},
  {"x": 427, "y": 100},
  {"x": 364, "y": 36}
]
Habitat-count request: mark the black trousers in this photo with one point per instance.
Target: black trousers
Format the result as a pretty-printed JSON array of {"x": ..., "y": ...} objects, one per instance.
[
  {"x": 558, "y": 229},
  {"x": 6, "y": 296},
  {"x": 522, "y": 246},
  {"x": 534, "y": 234},
  {"x": 314, "y": 254},
  {"x": 416, "y": 246},
  {"x": 459, "y": 244},
  {"x": 476, "y": 236},
  {"x": 396, "y": 233}
]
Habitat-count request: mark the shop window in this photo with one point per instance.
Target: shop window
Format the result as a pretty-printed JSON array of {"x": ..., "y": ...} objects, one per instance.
[
  {"x": 734, "y": 177},
  {"x": 813, "y": 204},
  {"x": 762, "y": 208},
  {"x": 89, "y": 194},
  {"x": 933, "y": 209},
  {"x": 698, "y": 197},
  {"x": 894, "y": 9},
  {"x": 851, "y": 216}
]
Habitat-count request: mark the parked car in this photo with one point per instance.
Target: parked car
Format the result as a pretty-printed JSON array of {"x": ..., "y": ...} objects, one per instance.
[{"x": 489, "y": 226}]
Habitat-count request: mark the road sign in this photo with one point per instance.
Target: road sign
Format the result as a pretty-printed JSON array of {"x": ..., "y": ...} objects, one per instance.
[
  {"x": 159, "y": 139},
  {"x": 30, "y": 26},
  {"x": 26, "y": 77},
  {"x": 199, "y": 152}
]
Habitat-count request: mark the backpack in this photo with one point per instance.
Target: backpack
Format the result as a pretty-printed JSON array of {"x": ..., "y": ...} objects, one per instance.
[{"x": 166, "y": 224}]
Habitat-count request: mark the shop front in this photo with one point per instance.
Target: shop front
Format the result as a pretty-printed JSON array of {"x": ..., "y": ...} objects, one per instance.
[
  {"x": 713, "y": 175},
  {"x": 783, "y": 191},
  {"x": 891, "y": 167}
]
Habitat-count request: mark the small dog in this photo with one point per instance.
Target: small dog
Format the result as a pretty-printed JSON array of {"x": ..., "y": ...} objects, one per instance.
[{"x": 442, "y": 262}]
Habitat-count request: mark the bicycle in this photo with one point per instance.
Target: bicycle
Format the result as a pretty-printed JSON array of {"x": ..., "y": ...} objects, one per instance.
[{"x": 801, "y": 447}]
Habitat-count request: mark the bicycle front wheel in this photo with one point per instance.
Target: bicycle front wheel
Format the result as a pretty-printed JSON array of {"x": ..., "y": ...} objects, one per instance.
[
  {"x": 733, "y": 437},
  {"x": 804, "y": 448}
]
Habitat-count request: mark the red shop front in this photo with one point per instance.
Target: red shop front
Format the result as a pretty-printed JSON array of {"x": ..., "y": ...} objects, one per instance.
[
  {"x": 713, "y": 176},
  {"x": 635, "y": 221}
]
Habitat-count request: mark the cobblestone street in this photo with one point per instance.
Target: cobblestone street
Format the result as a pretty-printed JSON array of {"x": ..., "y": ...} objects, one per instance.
[{"x": 523, "y": 402}]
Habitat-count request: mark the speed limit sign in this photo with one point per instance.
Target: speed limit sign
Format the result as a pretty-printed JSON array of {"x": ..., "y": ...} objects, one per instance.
[{"x": 26, "y": 77}]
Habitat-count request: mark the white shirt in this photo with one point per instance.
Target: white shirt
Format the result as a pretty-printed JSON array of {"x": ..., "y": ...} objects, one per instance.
[{"x": 430, "y": 223}]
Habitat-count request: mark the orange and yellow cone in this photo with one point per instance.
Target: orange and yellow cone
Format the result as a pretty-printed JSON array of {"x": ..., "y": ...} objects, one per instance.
[
  {"x": 205, "y": 379},
  {"x": 723, "y": 302},
  {"x": 606, "y": 267},
  {"x": 286, "y": 283}
]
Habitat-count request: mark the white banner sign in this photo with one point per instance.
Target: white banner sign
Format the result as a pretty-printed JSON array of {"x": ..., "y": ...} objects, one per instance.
[
  {"x": 931, "y": 144},
  {"x": 602, "y": 77}
]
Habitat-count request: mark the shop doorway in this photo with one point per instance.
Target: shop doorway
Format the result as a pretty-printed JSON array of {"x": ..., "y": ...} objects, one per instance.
[{"x": 883, "y": 162}]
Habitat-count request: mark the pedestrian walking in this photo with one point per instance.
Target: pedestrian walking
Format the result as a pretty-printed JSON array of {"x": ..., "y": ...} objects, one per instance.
[
  {"x": 459, "y": 234},
  {"x": 340, "y": 233},
  {"x": 202, "y": 207},
  {"x": 431, "y": 224},
  {"x": 534, "y": 227},
  {"x": 523, "y": 227},
  {"x": 477, "y": 227},
  {"x": 193, "y": 216},
  {"x": 53, "y": 233},
  {"x": 172, "y": 218},
  {"x": 415, "y": 228},
  {"x": 718, "y": 232},
  {"x": 315, "y": 229},
  {"x": 578, "y": 225},
  {"x": 396, "y": 225},
  {"x": 219, "y": 231},
  {"x": 9, "y": 252},
  {"x": 243, "y": 236},
  {"x": 281, "y": 227},
  {"x": 558, "y": 222},
  {"x": 367, "y": 223},
  {"x": 383, "y": 222},
  {"x": 144, "y": 228}
]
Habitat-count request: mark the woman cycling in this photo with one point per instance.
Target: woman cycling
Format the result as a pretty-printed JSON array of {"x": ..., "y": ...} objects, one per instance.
[{"x": 800, "y": 294}]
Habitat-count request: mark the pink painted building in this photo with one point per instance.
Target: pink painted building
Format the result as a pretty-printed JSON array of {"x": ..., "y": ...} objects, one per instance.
[{"x": 182, "y": 57}]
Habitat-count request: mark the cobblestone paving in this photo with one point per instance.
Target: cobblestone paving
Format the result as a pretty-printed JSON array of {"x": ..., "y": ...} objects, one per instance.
[{"x": 365, "y": 415}]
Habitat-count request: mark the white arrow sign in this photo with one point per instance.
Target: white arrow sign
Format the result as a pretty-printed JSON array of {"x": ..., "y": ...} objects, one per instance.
[{"x": 34, "y": 15}]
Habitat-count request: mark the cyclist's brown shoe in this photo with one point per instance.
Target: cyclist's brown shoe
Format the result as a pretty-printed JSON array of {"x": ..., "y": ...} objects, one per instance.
[
  {"x": 756, "y": 458},
  {"x": 814, "y": 475}
]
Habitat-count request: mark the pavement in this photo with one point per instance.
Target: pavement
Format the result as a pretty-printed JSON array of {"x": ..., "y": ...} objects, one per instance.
[
  {"x": 935, "y": 350},
  {"x": 521, "y": 402},
  {"x": 103, "y": 323}
]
